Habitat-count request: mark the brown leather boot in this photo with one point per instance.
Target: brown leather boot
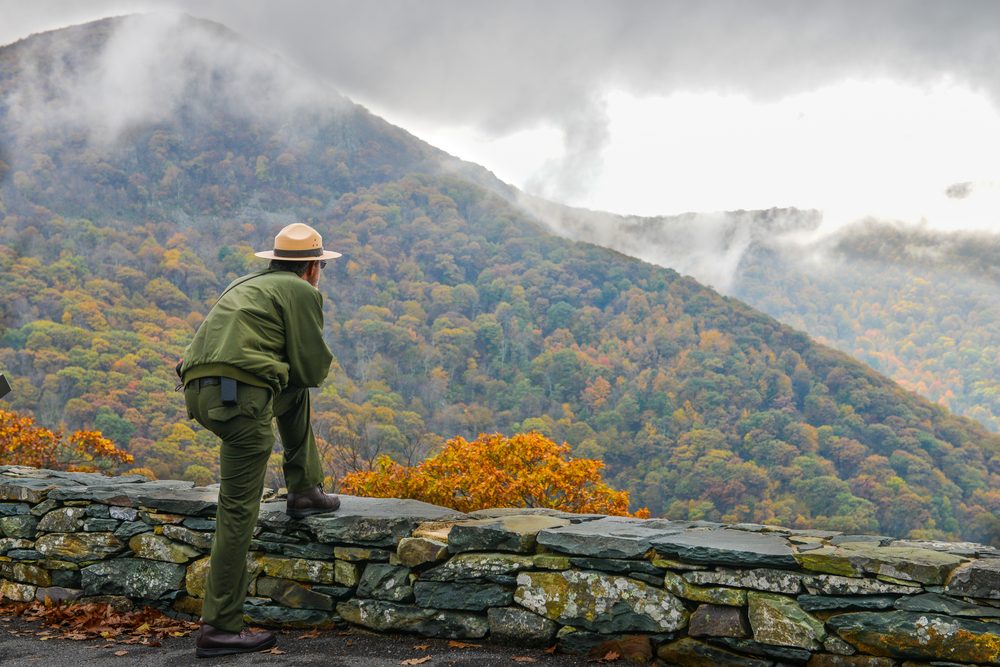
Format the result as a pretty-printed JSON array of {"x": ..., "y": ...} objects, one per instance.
[
  {"x": 309, "y": 502},
  {"x": 211, "y": 641}
]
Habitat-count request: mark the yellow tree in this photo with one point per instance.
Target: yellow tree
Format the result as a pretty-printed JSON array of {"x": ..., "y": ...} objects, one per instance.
[
  {"x": 23, "y": 443},
  {"x": 526, "y": 470}
]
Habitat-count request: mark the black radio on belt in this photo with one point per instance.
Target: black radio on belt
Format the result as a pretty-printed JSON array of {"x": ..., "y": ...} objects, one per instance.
[{"x": 228, "y": 391}]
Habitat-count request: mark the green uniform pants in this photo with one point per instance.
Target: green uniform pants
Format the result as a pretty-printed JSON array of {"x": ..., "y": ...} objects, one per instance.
[{"x": 247, "y": 440}]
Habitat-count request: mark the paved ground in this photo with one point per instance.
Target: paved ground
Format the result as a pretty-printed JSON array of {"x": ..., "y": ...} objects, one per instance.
[{"x": 21, "y": 647}]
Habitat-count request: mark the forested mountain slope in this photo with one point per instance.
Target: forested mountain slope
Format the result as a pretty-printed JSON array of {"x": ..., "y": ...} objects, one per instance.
[{"x": 451, "y": 312}]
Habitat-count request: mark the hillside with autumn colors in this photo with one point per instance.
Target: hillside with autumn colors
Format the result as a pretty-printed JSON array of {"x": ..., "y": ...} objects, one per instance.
[{"x": 451, "y": 313}]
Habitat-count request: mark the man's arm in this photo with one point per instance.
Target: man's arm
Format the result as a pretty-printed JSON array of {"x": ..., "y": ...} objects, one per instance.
[{"x": 308, "y": 355}]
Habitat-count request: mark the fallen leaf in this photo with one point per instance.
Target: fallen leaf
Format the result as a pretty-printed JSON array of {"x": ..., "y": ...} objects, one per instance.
[
  {"x": 350, "y": 642},
  {"x": 634, "y": 648},
  {"x": 41, "y": 639},
  {"x": 121, "y": 652},
  {"x": 312, "y": 634},
  {"x": 341, "y": 634},
  {"x": 455, "y": 644},
  {"x": 273, "y": 651},
  {"x": 518, "y": 659},
  {"x": 415, "y": 661},
  {"x": 550, "y": 650},
  {"x": 421, "y": 647}
]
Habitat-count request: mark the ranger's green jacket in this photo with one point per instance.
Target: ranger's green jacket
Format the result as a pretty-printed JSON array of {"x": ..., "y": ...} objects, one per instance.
[{"x": 267, "y": 331}]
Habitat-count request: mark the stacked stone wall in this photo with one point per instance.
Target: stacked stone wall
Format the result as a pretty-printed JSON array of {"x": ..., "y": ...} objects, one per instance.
[{"x": 692, "y": 593}]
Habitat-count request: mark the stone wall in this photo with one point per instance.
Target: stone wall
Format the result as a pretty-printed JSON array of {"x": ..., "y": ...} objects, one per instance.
[{"x": 695, "y": 593}]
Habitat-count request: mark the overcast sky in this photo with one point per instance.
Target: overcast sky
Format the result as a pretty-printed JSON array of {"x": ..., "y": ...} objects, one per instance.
[{"x": 659, "y": 107}]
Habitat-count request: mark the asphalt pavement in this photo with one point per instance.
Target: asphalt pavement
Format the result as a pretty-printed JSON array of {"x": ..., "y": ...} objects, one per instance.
[{"x": 21, "y": 646}]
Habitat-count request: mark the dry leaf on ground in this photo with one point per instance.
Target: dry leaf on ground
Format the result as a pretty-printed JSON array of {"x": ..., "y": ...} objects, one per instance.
[
  {"x": 421, "y": 647},
  {"x": 121, "y": 652},
  {"x": 521, "y": 659},
  {"x": 415, "y": 661},
  {"x": 455, "y": 644},
  {"x": 273, "y": 651},
  {"x": 312, "y": 634}
]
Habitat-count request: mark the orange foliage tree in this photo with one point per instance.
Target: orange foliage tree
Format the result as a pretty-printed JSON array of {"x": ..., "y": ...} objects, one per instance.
[
  {"x": 23, "y": 443},
  {"x": 526, "y": 470}
]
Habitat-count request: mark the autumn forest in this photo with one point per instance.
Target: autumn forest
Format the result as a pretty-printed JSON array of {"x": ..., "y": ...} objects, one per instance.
[{"x": 451, "y": 313}]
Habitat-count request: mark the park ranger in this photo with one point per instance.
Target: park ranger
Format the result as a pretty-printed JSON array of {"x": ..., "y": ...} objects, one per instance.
[{"x": 252, "y": 361}]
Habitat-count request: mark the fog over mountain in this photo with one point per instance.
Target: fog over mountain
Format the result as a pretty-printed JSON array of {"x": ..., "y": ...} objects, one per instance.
[{"x": 499, "y": 69}]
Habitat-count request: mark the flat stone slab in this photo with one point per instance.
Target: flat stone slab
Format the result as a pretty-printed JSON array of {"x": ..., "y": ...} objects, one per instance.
[
  {"x": 111, "y": 492},
  {"x": 470, "y": 566},
  {"x": 388, "y": 616},
  {"x": 918, "y": 636},
  {"x": 978, "y": 579},
  {"x": 197, "y": 501},
  {"x": 516, "y": 533},
  {"x": 728, "y": 547},
  {"x": 831, "y": 584},
  {"x": 692, "y": 653},
  {"x": 611, "y": 537},
  {"x": 378, "y": 522},
  {"x": 599, "y": 602},
  {"x": 900, "y": 563},
  {"x": 769, "y": 581},
  {"x": 942, "y": 604}
]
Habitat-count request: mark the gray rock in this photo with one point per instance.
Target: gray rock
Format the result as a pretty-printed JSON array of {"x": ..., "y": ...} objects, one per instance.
[
  {"x": 386, "y": 582},
  {"x": 518, "y": 627},
  {"x": 55, "y": 594},
  {"x": 283, "y": 617},
  {"x": 462, "y": 596},
  {"x": 31, "y": 489},
  {"x": 65, "y": 520},
  {"x": 978, "y": 579},
  {"x": 780, "y": 621},
  {"x": 388, "y": 616},
  {"x": 198, "y": 501},
  {"x": 105, "y": 495},
  {"x": 619, "y": 566},
  {"x": 710, "y": 620},
  {"x": 97, "y": 511},
  {"x": 130, "y": 529},
  {"x": 336, "y": 593},
  {"x": 199, "y": 523},
  {"x": 769, "y": 581},
  {"x": 8, "y": 543},
  {"x": 919, "y": 636},
  {"x": 24, "y": 554},
  {"x": 599, "y": 602},
  {"x": 66, "y": 578},
  {"x": 97, "y": 525},
  {"x": 291, "y": 594},
  {"x": 78, "y": 547},
  {"x": 728, "y": 547},
  {"x": 132, "y": 577},
  {"x": 19, "y": 525},
  {"x": 942, "y": 604},
  {"x": 854, "y": 602},
  {"x": 202, "y": 541},
  {"x": 313, "y": 551},
  {"x": 470, "y": 566},
  {"x": 611, "y": 537},
  {"x": 516, "y": 533},
  {"x": 378, "y": 522},
  {"x": 761, "y": 650},
  {"x": 692, "y": 653},
  {"x": 123, "y": 513},
  {"x": 42, "y": 508},
  {"x": 831, "y": 584},
  {"x": 361, "y": 554},
  {"x": 414, "y": 551},
  {"x": 11, "y": 509}
]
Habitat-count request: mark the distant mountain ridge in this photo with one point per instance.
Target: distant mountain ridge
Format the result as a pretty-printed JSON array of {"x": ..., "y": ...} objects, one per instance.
[{"x": 452, "y": 312}]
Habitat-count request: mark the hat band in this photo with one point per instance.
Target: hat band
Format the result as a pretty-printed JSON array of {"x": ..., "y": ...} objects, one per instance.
[{"x": 312, "y": 252}]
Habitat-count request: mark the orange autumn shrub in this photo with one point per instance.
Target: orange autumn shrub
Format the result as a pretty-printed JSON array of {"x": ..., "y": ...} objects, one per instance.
[
  {"x": 526, "y": 470},
  {"x": 23, "y": 443}
]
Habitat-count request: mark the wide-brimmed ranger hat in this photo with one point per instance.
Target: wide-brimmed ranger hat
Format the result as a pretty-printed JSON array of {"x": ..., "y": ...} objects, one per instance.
[{"x": 298, "y": 243}]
